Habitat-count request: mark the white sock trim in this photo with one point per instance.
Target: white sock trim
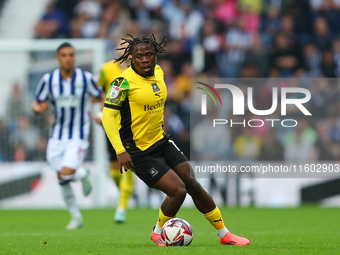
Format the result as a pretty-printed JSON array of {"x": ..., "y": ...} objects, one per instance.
[
  {"x": 67, "y": 177},
  {"x": 157, "y": 229},
  {"x": 70, "y": 200},
  {"x": 222, "y": 232},
  {"x": 79, "y": 174},
  {"x": 120, "y": 210}
]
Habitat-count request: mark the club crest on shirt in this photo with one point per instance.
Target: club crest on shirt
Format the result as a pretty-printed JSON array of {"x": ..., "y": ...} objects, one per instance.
[
  {"x": 155, "y": 87},
  {"x": 114, "y": 91}
]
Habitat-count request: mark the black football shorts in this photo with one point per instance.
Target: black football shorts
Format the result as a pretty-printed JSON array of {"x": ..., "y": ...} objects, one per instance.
[{"x": 152, "y": 165}]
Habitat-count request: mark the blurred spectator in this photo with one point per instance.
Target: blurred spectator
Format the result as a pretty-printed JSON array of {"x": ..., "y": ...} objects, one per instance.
[
  {"x": 226, "y": 11},
  {"x": 336, "y": 54},
  {"x": 237, "y": 41},
  {"x": 141, "y": 14},
  {"x": 335, "y": 129},
  {"x": 5, "y": 145},
  {"x": 173, "y": 11},
  {"x": 249, "y": 71},
  {"x": 26, "y": 135},
  {"x": 270, "y": 25},
  {"x": 53, "y": 24},
  {"x": 40, "y": 150},
  {"x": 284, "y": 57},
  {"x": 330, "y": 14},
  {"x": 324, "y": 97},
  {"x": 299, "y": 142},
  {"x": 257, "y": 57},
  {"x": 328, "y": 66},
  {"x": 16, "y": 103},
  {"x": 88, "y": 15},
  {"x": 322, "y": 36},
  {"x": 288, "y": 30},
  {"x": 247, "y": 146},
  {"x": 312, "y": 60},
  {"x": 213, "y": 145},
  {"x": 176, "y": 55},
  {"x": 173, "y": 124},
  {"x": 67, "y": 7},
  {"x": 251, "y": 5},
  {"x": 182, "y": 82},
  {"x": 20, "y": 153},
  {"x": 211, "y": 40},
  {"x": 271, "y": 148},
  {"x": 169, "y": 77},
  {"x": 325, "y": 148},
  {"x": 251, "y": 20},
  {"x": 188, "y": 25}
]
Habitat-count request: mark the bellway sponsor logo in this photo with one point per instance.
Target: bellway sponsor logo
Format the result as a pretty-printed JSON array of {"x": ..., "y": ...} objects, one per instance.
[
  {"x": 68, "y": 101},
  {"x": 239, "y": 102},
  {"x": 159, "y": 104}
]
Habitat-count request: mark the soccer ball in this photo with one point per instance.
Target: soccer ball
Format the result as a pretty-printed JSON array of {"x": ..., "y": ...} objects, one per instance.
[{"x": 176, "y": 232}]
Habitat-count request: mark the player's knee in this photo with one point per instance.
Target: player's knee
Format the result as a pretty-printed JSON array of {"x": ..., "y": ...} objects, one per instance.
[
  {"x": 179, "y": 192},
  {"x": 193, "y": 187}
]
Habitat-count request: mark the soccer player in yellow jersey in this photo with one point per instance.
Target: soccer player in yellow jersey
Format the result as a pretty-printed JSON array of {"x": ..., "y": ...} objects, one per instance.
[
  {"x": 124, "y": 182},
  {"x": 139, "y": 95}
]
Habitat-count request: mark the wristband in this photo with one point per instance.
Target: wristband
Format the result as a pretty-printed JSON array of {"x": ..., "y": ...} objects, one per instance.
[{"x": 99, "y": 114}]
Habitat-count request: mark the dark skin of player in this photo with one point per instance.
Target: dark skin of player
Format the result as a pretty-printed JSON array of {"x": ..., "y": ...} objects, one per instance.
[{"x": 180, "y": 180}]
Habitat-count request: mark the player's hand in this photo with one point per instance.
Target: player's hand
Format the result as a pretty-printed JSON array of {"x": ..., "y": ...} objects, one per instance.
[
  {"x": 125, "y": 162},
  {"x": 98, "y": 118},
  {"x": 39, "y": 107}
]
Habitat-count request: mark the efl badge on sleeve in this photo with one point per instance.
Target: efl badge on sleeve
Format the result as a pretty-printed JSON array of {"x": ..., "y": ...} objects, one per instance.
[{"x": 114, "y": 91}]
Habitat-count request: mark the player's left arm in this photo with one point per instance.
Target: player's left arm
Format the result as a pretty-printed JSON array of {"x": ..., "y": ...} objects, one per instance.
[
  {"x": 101, "y": 82},
  {"x": 93, "y": 88},
  {"x": 97, "y": 95},
  {"x": 99, "y": 115}
]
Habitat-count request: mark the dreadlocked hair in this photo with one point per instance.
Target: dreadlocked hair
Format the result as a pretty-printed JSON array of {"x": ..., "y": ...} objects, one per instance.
[{"x": 159, "y": 47}]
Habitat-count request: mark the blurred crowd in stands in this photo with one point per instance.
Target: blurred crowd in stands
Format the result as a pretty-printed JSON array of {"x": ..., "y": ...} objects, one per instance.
[{"x": 239, "y": 38}]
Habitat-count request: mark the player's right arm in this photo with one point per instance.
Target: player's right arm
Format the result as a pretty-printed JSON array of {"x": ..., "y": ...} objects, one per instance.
[
  {"x": 39, "y": 105},
  {"x": 118, "y": 92}
]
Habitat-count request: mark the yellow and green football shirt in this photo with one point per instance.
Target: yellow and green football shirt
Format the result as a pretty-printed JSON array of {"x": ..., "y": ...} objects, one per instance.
[
  {"x": 140, "y": 101},
  {"x": 108, "y": 73}
]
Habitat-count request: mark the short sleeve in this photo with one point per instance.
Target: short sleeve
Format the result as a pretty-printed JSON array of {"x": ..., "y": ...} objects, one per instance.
[
  {"x": 93, "y": 88},
  {"x": 117, "y": 94},
  {"x": 41, "y": 94}
]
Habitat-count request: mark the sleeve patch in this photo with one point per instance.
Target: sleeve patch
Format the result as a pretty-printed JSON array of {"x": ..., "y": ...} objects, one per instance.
[{"x": 114, "y": 91}]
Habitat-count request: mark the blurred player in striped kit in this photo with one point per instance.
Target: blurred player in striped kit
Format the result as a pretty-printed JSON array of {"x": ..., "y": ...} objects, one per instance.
[
  {"x": 125, "y": 181},
  {"x": 69, "y": 90}
]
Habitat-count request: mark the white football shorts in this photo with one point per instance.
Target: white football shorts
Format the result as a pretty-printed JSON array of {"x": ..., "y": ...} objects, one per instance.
[{"x": 66, "y": 153}]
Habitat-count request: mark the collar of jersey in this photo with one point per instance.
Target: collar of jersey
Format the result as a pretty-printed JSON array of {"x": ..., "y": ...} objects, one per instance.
[
  {"x": 146, "y": 77},
  {"x": 72, "y": 77}
]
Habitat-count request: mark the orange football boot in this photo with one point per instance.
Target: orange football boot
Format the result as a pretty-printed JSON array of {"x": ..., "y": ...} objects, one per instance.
[
  {"x": 231, "y": 239},
  {"x": 157, "y": 238}
]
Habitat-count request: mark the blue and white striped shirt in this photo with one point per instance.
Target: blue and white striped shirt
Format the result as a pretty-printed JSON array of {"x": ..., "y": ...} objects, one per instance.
[{"x": 71, "y": 101}]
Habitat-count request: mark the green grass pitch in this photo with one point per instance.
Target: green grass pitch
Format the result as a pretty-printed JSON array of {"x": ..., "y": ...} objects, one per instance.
[{"x": 306, "y": 230}]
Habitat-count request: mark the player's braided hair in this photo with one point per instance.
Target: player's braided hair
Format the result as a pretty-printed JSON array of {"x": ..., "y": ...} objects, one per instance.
[{"x": 159, "y": 47}]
